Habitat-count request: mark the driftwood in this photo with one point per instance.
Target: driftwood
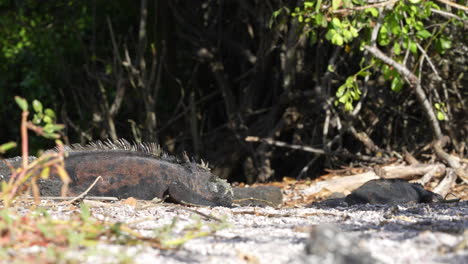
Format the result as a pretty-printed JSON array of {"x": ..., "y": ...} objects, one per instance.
[
  {"x": 447, "y": 183},
  {"x": 420, "y": 173},
  {"x": 410, "y": 172},
  {"x": 344, "y": 184}
]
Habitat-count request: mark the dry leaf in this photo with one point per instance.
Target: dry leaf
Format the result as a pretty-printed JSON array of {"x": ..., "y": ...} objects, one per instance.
[{"x": 130, "y": 201}]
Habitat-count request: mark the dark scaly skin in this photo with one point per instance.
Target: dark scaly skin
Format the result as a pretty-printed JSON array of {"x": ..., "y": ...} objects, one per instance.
[
  {"x": 143, "y": 176},
  {"x": 135, "y": 174}
]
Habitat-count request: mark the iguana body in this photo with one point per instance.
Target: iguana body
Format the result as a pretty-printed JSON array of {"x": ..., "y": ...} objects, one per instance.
[
  {"x": 143, "y": 172},
  {"x": 143, "y": 176}
]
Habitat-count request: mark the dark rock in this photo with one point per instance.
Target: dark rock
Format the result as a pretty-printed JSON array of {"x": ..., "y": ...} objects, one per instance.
[
  {"x": 392, "y": 192},
  {"x": 258, "y": 196},
  {"x": 327, "y": 244},
  {"x": 385, "y": 191}
]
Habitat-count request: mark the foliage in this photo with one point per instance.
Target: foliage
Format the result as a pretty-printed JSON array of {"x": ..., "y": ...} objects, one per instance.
[
  {"x": 35, "y": 39},
  {"x": 29, "y": 173},
  {"x": 407, "y": 29}
]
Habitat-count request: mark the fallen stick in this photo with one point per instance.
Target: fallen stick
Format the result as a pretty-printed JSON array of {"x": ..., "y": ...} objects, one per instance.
[
  {"x": 344, "y": 184},
  {"x": 83, "y": 194},
  {"x": 409, "y": 172},
  {"x": 447, "y": 183},
  {"x": 60, "y": 198}
]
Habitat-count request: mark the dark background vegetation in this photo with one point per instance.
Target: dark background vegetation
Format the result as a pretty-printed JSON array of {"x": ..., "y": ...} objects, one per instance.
[{"x": 202, "y": 75}]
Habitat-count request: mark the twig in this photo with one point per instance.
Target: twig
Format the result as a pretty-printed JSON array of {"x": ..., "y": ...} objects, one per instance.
[
  {"x": 357, "y": 8},
  {"x": 254, "y": 199},
  {"x": 445, "y": 14},
  {"x": 202, "y": 214},
  {"x": 83, "y": 194},
  {"x": 428, "y": 59},
  {"x": 412, "y": 79},
  {"x": 285, "y": 145},
  {"x": 452, "y": 4},
  {"x": 306, "y": 167},
  {"x": 58, "y": 198}
]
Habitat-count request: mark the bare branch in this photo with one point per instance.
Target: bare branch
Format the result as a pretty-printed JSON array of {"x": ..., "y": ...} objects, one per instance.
[
  {"x": 452, "y": 4},
  {"x": 414, "y": 83}
]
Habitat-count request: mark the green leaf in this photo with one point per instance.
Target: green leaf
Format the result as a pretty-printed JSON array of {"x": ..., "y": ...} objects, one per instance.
[
  {"x": 364, "y": 73},
  {"x": 337, "y": 39},
  {"x": 354, "y": 32},
  {"x": 37, "y": 106},
  {"x": 397, "y": 48},
  {"x": 276, "y": 13},
  {"x": 383, "y": 37},
  {"x": 394, "y": 27},
  {"x": 414, "y": 1},
  {"x": 445, "y": 44},
  {"x": 47, "y": 119},
  {"x": 58, "y": 127},
  {"x": 7, "y": 146},
  {"x": 343, "y": 99},
  {"x": 336, "y": 4},
  {"x": 22, "y": 103},
  {"x": 356, "y": 94},
  {"x": 347, "y": 35},
  {"x": 330, "y": 68},
  {"x": 348, "y": 106},
  {"x": 321, "y": 20},
  {"x": 50, "y": 113},
  {"x": 48, "y": 128},
  {"x": 373, "y": 11},
  {"x": 308, "y": 4},
  {"x": 37, "y": 119},
  {"x": 440, "y": 115},
  {"x": 336, "y": 23},
  {"x": 340, "y": 91},
  {"x": 397, "y": 84},
  {"x": 51, "y": 135},
  {"x": 413, "y": 47},
  {"x": 424, "y": 34},
  {"x": 330, "y": 34}
]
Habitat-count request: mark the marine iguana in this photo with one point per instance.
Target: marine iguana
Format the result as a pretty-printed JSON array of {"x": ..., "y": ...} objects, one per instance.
[
  {"x": 385, "y": 191},
  {"x": 141, "y": 171}
]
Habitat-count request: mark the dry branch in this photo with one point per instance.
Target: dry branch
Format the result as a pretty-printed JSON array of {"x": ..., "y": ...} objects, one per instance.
[
  {"x": 446, "y": 184},
  {"x": 409, "y": 172},
  {"x": 342, "y": 184},
  {"x": 83, "y": 194},
  {"x": 414, "y": 82},
  {"x": 452, "y": 161}
]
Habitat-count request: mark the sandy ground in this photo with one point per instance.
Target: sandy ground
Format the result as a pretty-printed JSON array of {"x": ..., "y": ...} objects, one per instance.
[{"x": 422, "y": 233}]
